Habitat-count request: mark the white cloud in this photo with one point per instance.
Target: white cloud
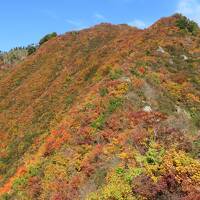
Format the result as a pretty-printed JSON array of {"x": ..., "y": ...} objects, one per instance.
[
  {"x": 99, "y": 16},
  {"x": 190, "y": 8},
  {"x": 137, "y": 23}
]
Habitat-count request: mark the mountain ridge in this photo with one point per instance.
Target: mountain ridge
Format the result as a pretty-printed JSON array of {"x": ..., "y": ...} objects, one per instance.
[{"x": 95, "y": 111}]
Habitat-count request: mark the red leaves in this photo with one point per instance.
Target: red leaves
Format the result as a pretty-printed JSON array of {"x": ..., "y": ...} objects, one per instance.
[
  {"x": 139, "y": 135},
  {"x": 88, "y": 169},
  {"x": 114, "y": 123},
  {"x": 165, "y": 135},
  {"x": 55, "y": 140},
  {"x": 165, "y": 187},
  {"x": 84, "y": 136},
  {"x": 34, "y": 185},
  {"x": 192, "y": 196},
  {"x": 8, "y": 185},
  {"x": 149, "y": 118},
  {"x": 138, "y": 82},
  {"x": 67, "y": 191},
  {"x": 142, "y": 70},
  {"x": 92, "y": 158}
]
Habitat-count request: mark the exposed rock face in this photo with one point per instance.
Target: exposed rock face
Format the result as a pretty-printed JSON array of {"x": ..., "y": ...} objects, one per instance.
[
  {"x": 161, "y": 50},
  {"x": 184, "y": 57},
  {"x": 147, "y": 109}
]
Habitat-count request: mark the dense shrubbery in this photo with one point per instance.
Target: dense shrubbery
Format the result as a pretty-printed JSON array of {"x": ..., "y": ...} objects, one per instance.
[
  {"x": 115, "y": 74},
  {"x": 103, "y": 92},
  {"x": 188, "y": 25},
  {"x": 113, "y": 105},
  {"x": 14, "y": 55},
  {"x": 73, "y": 128},
  {"x": 17, "y": 54},
  {"x": 47, "y": 37},
  {"x": 1, "y": 55},
  {"x": 31, "y": 49}
]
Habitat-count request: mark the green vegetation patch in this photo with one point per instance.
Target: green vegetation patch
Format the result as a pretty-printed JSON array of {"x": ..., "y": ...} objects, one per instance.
[
  {"x": 113, "y": 105},
  {"x": 187, "y": 25},
  {"x": 47, "y": 37}
]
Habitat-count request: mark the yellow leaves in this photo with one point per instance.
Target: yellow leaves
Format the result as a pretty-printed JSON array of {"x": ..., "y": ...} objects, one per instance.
[
  {"x": 109, "y": 149},
  {"x": 181, "y": 91},
  {"x": 123, "y": 155},
  {"x": 151, "y": 130},
  {"x": 183, "y": 166},
  {"x": 196, "y": 178},
  {"x": 56, "y": 168},
  {"x": 115, "y": 141},
  {"x": 115, "y": 188},
  {"x": 155, "y": 77},
  {"x": 120, "y": 89},
  {"x": 151, "y": 160},
  {"x": 174, "y": 88},
  {"x": 192, "y": 97}
]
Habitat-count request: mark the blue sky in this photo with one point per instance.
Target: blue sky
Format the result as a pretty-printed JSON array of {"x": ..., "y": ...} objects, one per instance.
[{"x": 26, "y": 21}]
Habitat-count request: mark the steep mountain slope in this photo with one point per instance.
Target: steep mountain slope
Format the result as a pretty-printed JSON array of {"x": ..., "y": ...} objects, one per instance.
[{"x": 110, "y": 112}]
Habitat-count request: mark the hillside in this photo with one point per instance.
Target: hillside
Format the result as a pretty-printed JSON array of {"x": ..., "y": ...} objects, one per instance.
[{"x": 111, "y": 112}]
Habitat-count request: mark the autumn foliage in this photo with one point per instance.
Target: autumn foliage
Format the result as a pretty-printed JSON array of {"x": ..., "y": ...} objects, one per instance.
[{"x": 109, "y": 112}]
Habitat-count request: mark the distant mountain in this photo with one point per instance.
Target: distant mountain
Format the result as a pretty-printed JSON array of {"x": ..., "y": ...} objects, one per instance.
[{"x": 107, "y": 113}]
